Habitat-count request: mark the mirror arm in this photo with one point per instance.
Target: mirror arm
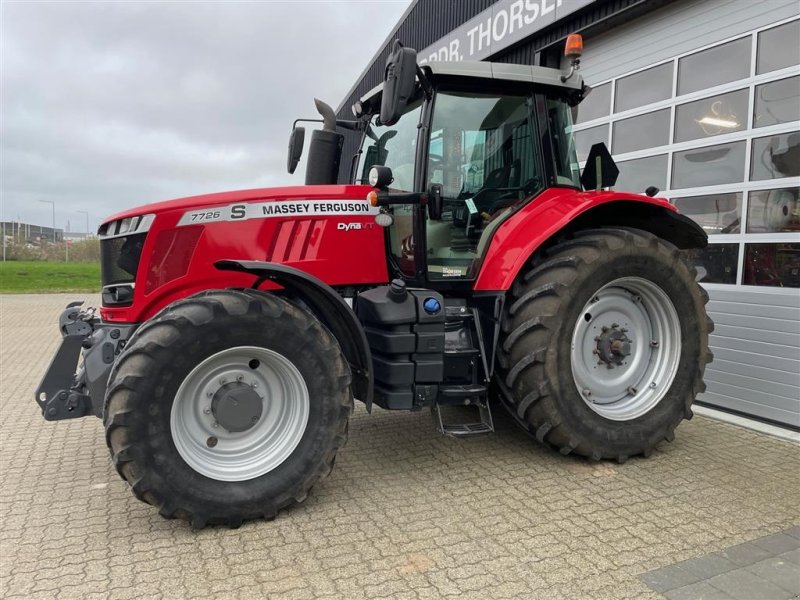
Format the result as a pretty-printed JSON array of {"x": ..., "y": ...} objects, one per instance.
[
  {"x": 424, "y": 82},
  {"x": 386, "y": 198},
  {"x": 351, "y": 125}
]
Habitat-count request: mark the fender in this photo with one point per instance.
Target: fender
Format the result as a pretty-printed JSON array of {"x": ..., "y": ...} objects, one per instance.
[
  {"x": 560, "y": 211},
  {"x": 327, "y": 305}
]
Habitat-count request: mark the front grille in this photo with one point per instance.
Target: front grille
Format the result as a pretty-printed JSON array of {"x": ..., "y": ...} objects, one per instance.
[{"x": 119, "y": 258}]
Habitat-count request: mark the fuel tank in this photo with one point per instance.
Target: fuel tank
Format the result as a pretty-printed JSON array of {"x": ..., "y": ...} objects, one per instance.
[{"x": 326, "y": 231}]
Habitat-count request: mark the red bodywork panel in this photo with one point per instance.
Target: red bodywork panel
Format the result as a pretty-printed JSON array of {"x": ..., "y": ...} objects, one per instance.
[
  {"x": 177, "y": 259},
  {"x": 521, "y": 234},
  {"x": 340, "y": 249}
]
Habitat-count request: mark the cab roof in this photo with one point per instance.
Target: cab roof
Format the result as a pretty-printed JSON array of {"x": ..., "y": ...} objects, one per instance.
[{"x": 490, "y": 70}]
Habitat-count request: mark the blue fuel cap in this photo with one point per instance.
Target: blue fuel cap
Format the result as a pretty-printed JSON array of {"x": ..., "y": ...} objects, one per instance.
[{"x": 431, "y": 306}]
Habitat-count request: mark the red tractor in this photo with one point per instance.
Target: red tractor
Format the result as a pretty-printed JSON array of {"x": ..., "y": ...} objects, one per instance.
[{"x": 468, "y": 259}]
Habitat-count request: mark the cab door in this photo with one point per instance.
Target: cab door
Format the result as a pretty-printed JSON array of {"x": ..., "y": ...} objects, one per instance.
[{"x": 481, "y": 152}]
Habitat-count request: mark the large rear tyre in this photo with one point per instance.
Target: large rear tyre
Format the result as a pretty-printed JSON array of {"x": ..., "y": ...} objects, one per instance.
[
  {"x": 604, "y": 344},
  {"x": 227, "y": 406}
]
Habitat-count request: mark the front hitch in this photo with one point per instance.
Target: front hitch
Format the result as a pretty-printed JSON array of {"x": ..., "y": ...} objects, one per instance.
[{"x": 70, "y": 391}]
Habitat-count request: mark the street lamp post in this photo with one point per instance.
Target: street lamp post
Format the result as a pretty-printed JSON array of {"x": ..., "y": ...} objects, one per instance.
[
  {"x": 85, "y": 212},
  {"x": 53, "y": 205}
]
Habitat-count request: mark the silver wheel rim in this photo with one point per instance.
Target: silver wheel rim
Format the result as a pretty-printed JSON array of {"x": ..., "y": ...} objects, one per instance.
[
  {"x": 219, "y": 453},
  {"x": 634, "y": 315}
]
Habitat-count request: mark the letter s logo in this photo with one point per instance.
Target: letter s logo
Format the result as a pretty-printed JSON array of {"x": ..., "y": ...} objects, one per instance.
[{"x": 238, "y": 211}]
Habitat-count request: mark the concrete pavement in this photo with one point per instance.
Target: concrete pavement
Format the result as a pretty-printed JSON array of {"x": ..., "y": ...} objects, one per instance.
[{"x": 406, "y": 513}]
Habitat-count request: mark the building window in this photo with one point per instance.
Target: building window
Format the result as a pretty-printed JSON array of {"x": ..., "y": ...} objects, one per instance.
[
  {"x": 716, "y": 263},
  {"x": 714, "y": 66},
  {"x": 724, "y": 113},
  {"x": 715, "y": 213},
  {"x": 709, "y": 165},
  {"x": 775, "y": 156},
  {"x": 774, "y": 265},
  {"x": 639, "y": 133},
  {"x": 777, "y": 102},
  {"x": 778, "y": 47},
  {"x": 639, "y": 174},
  {"x": 773, "y": 211},
  {"x": 596, "y": 105},
  {"x": 643, "y": 88},
  {"x": 585, "y": 139}
]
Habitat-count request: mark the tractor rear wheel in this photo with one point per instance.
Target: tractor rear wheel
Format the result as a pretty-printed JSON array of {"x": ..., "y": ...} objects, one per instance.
[
  {"x": 604, "y": 344},
  {"x": 227, "y": 406}
]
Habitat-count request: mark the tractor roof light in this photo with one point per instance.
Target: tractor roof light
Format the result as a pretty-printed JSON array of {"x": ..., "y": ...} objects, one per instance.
[{"x": 573, "y": 49}]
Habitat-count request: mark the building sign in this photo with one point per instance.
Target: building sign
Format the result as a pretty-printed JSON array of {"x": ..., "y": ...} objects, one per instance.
[{"x": 499, "y": 26}]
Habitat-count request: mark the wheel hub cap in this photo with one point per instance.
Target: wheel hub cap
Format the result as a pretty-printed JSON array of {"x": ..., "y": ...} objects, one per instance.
[
  {"x": 613, "y": 345},
  {"x": 237, "y": 406}
]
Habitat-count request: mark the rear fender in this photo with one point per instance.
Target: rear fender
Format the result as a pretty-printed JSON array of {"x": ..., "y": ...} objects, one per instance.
[
  {"x": 559, "y": 212},
  {"x": 327, "y": 305}
]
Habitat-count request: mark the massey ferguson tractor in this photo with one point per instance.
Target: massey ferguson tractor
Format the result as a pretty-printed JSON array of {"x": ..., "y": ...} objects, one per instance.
[{"x": 467, "y": 259}]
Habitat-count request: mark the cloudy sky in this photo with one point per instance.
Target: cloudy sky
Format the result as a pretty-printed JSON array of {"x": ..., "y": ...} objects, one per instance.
[{"x": 107, "y": 105}]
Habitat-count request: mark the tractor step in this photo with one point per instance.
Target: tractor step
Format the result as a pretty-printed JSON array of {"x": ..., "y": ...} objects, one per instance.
[{"x": 485, "y": 425}]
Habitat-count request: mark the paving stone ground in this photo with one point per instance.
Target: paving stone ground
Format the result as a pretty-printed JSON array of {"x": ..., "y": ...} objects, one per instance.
[{"x": 406, "y": 513}]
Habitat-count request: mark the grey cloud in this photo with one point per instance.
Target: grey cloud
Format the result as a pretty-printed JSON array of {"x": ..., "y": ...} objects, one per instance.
[{"x": 108, "y": 105}]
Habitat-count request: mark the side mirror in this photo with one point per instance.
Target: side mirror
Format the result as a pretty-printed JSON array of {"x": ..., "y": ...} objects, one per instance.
[
  {"x": 600, "y": 171},
  {"x": 398, "y": 86},
  {"x": 296, "y": 140},
  {"x": 435, "y": 202}
]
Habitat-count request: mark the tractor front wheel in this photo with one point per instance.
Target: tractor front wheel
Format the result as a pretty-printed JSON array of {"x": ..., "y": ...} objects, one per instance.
[
  {"x": 604, "y": 345},
  {"x": 227, "y": 406}
]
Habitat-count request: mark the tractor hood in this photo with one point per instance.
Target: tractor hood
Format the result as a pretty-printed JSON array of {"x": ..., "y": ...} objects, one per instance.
[
  {"x": 277, "y": 194},
  {"x": 158, "y": 253}
]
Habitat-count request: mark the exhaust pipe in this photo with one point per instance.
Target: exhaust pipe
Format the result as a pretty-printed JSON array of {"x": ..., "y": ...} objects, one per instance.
[{"x": 328, "y": 116}]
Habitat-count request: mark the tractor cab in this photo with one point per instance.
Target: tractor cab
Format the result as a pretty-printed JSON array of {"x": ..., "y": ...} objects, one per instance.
[
  {"x": 473, "y": 143},
  {"x": 454, "y": 150}
]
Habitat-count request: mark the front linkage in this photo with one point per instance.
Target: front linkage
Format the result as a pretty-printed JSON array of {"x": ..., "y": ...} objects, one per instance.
[{"x": 67, "y": 393}]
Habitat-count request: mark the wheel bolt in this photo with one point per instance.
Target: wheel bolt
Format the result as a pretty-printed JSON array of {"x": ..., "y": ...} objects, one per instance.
[
  {"x": 209, "y": 394},
  {"x": 604, "y": 329},
  {"x": 255, "y": 384},
  {"x": 587, "y": 393},
  {"x": 222, "y": 380},
  {"x": 614, "y": 325},
  {"x": 211, "y": 442},
  {"x": 215, "y": 425},
  {"x": 254, "y": 419},
  {"x": 653, "y": 385},
  {"x": 239, "y": 378},
  {"x": 207, "y": 410}
]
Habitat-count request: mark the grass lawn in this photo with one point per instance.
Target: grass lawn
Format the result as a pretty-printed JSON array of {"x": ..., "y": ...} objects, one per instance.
[{"x": 24, "y": 277}]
